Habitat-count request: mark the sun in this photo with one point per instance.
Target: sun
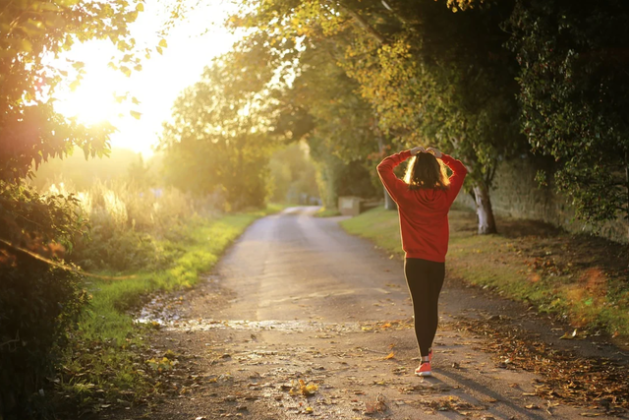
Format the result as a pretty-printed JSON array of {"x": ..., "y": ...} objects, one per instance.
[
  {"x": 94, "y": 100},
  {"x": 148, "y": 93}
]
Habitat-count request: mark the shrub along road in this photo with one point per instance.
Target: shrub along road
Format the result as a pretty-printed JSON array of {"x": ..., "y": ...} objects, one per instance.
[{"x": 301, "y": 319}]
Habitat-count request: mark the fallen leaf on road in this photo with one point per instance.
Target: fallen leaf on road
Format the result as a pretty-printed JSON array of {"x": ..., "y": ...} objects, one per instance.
[
  {"x": 451, "y": 403},
  {"x": 377, "y": 406},
  {"x": 390, "y": 356},
  {"x": 568, "y": 336},
  {"x": 307, "y": 389}
]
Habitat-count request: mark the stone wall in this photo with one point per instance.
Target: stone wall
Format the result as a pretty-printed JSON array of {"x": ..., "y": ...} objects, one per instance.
[{"x": 516, "y": 194}]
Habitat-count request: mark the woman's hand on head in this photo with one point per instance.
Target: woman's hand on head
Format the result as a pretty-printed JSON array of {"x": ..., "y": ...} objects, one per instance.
[
  {"x": 417, "y": 150},
  {"x": 434, "y": 151}
]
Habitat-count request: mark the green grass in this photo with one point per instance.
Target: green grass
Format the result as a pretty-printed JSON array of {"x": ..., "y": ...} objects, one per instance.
[
  {"x": 380, "y": 226},
  {"x": 327, "y": 212},
  {"x": 531, "y": 266},
  {"x": 106, "y": 353}
]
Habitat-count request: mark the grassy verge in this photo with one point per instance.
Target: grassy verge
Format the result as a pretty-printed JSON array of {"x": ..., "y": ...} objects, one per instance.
[
  {"x": 108, "y": 362},
  {"x": 577, "y": 277},
  {"x": 327, "y": 212}
]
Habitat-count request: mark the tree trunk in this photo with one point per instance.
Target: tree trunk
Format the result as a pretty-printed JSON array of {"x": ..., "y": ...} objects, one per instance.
[
  {"x": 389, "y": 204},
  {"x": 486, "y": 221}
]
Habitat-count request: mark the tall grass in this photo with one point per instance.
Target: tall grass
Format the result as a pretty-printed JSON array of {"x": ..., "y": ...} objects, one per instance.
[
  {"x": 121, "y": 204},
  {"x": 128, "y": 227}
]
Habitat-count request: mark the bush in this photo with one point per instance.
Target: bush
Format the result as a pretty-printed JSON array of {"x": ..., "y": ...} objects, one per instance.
[
  {"x": 38, "y": 302},
  {"x": 131, "y": 228}
]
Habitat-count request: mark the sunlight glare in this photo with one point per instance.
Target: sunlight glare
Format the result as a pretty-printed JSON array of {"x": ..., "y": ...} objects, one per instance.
[
  {"x": 94, "y": 100},
  {"x": 192, "y": 44}
]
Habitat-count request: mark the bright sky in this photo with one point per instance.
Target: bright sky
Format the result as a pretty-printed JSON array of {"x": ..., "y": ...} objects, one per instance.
[{"x": 192, "y": 44}]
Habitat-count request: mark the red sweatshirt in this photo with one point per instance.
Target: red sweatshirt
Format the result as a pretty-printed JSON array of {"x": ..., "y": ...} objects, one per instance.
[{"x": 423, "y": 212}]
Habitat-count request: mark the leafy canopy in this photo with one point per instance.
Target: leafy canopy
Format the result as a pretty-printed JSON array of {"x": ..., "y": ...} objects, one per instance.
[
  {"x": 218, "y": 139},
  {"x": 574, "y": 92}
]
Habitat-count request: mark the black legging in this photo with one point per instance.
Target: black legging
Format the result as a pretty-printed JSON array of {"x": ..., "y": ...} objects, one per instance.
[{"x": 425, "y": 279}]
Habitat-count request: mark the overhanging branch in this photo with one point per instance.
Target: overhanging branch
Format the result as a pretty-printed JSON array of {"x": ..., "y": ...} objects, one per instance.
[{"x": 360, "y": 21}]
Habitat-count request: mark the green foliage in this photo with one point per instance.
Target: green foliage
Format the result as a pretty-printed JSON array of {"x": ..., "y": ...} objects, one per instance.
[
  {"x": 218, "y": 141},
  {"x": 31, "y": 33},
  {"x": 320, "y": 104},
  {"x": 140, "y": 174},
  {"x": 444, "y": 78},
  {"x": 410, "y": 73},
  {"x": 293, "y": 174},
  {"x": 337, "y": 178},
  {"x": 342, "y": 137},
  {"x": 38, "y": 303},
  {"x": 574, "y": 93},
  {"x": 37, "y": 223},
  {"x": 128, "y": 227}
]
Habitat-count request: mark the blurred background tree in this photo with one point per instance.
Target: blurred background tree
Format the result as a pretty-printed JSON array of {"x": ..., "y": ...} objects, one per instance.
[
  {"x": 218, "y": 140},
  {"x": 293, "y": 175}
]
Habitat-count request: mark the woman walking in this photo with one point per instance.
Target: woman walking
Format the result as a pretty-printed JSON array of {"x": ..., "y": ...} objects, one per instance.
[{"x": 424, "y": 199}]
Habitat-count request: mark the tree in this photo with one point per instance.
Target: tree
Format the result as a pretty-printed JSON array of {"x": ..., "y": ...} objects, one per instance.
[
  {"x": 316, "y": 101},
  {"x": 31, "y": 32},
  {"x": 341, "y": 136},
  {"x": 445, "y": 78},
  {"x": 140, "y": 174},
  {"x": 293, "y": 174},
  {"x": 218, "y": 138},
  {"x": 39, "y": 301},
  {"x": 574, "y": 92},
  {"x": 427, "y": 73}
]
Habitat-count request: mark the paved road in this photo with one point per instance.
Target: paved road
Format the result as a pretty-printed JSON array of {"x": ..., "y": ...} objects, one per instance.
[
  {"x": 295, "y": 266},
  {"x": 296, "y": 298}
]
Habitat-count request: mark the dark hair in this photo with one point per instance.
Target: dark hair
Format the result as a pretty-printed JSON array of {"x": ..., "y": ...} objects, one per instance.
[{"x": 425, "y": 171}]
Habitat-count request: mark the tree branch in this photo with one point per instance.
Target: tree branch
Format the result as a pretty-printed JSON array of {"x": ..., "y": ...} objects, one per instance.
[
  {"x": 371, "y": 31},
  {"x": 17, "y": 340},
  {"x": 61, "y": 265}
]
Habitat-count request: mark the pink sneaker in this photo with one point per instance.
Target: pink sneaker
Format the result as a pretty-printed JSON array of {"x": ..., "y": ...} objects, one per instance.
[{"x": 423, "y": 370}]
